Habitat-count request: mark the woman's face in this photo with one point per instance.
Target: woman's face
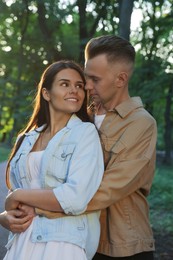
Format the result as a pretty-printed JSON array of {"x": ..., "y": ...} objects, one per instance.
[{"x": 67, "y": 92}]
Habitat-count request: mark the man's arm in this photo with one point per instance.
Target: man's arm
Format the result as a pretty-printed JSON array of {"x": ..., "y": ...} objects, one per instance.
[
  {"x": 130, "y": 169},
  {"x": 131, "y": 166},
  {"x": 49, "y": 214}
]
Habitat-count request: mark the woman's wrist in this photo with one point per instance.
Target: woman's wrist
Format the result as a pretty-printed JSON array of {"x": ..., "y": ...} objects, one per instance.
[
  {"x": 17, "y": 195},
  {"x": 12, "y": 199}
]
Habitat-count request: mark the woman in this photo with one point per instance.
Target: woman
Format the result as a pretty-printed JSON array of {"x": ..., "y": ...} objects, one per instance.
[{"x": 56, "y": 165}]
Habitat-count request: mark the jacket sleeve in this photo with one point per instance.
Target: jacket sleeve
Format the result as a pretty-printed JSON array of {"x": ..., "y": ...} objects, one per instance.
[
  {"x": 131, "y": 165},
  {"x": 85, "y": 172}
]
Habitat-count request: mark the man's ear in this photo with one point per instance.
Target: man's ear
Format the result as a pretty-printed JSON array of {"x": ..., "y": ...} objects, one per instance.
[
  {"x": 45, "y": 94},
  {"x": 122, "y": 79}
]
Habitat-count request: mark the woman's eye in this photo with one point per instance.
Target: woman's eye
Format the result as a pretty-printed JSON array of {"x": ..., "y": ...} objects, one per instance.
[
  {"x": 80, "y": 86},
  {"x": 64, "y": 84}
]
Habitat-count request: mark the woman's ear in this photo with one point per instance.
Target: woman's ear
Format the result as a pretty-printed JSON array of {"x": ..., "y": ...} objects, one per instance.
[{"x": 45, "y": 94}]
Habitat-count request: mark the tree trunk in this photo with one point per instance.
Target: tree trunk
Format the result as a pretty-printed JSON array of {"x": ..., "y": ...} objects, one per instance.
[
  {"x": 87, "y": 32},
  {"x": 168, "y": 127},
  {"x": 126, "y": 8},
  {"x": 52, "y": 53},
  {"x": 83, "y": 34}
]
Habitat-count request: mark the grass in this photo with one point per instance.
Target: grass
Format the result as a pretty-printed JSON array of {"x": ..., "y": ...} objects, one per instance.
[
  {"x": 161, "y": 211},
  {"x": 161, "y": 199}
]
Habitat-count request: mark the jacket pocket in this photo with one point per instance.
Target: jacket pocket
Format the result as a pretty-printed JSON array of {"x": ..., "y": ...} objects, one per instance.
[
  {"x": 112, "y": 149},
  {"x": 117, "y": 147},
  {"x": 59, "y": 166}
]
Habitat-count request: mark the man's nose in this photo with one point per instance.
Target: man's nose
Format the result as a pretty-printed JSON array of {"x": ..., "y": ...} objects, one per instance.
[{"x": 88, "y": 85}]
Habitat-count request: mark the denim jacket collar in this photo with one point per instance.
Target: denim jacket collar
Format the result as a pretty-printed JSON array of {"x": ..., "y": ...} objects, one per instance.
[{"x": 72, "y": 121}]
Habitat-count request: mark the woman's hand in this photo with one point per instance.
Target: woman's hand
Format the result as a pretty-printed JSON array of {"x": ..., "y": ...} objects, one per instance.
[
  {"x": 17, "y": 220},
  {"x": 17, "y": 217},
  {"x": 26, "y": 210}
]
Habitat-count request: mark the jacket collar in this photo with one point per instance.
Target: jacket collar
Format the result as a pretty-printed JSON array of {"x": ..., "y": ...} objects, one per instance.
[
  {"x": 128, "y": 106},
  {"x": 74, "y": 120}
]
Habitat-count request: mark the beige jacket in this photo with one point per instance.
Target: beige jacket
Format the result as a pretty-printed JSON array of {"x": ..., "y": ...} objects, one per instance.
[{"x": 128, "y": 135}]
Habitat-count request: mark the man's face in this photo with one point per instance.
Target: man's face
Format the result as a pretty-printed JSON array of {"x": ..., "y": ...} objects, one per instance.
[{"x": 101, "y": 80}]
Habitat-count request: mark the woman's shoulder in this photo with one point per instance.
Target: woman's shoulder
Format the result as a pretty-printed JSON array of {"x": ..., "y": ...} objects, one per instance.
[
  {"x": 76, "y": 122},
  {"x": 88, "y": 126}
]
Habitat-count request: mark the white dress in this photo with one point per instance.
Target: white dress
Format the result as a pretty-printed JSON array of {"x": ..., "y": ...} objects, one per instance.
[{"x": 22, "y": 247}]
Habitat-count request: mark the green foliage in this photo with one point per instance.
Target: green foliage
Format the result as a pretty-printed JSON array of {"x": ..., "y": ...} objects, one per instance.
[
  {"x": 35, "y": 33},
  {"x": 161, "y": 199},
  {"x": 4, "y": 152},
  {"x": 152, "y": 85},
  {"x": 153, "y": 76}
]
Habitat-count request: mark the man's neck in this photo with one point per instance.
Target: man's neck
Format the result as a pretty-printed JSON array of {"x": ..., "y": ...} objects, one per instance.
[{"x": 112, "y": 105}]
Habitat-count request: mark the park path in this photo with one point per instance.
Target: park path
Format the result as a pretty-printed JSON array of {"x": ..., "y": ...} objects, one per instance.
[{"x": 3, "y": 193}]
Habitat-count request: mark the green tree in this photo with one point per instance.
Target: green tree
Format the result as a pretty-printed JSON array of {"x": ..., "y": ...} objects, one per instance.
[
  {"x": 34, "y": 33},
  {"x": 153, "y": 79}
]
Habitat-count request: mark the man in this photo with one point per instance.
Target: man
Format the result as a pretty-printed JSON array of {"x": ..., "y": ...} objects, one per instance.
[{"x": 128, "y": 136}]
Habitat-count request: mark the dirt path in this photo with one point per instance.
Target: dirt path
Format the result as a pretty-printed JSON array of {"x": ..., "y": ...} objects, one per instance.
[
  {"x": 3, "y": 193},
  {"x": 164, "y": 246}
]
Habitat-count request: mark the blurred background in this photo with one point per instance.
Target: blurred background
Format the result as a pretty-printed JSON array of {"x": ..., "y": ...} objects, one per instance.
[{"x": 34, "y": 34}]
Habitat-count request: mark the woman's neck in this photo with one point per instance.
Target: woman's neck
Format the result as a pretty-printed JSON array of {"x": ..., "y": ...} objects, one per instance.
[{"x": 57, "y": 123}]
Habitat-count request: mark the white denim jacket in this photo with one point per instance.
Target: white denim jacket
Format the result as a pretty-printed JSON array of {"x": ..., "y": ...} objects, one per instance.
[{"x": 72, "y": 165}]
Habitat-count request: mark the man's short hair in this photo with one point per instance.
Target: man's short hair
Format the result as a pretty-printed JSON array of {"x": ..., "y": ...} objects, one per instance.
[{"x": 114, "y": 47}]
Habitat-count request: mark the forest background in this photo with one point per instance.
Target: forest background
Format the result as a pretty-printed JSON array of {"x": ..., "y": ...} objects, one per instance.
[{"x": 35, "y": 33}]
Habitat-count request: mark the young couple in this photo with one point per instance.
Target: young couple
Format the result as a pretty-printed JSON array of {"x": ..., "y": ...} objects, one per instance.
[{"x": 56, "y": 175}]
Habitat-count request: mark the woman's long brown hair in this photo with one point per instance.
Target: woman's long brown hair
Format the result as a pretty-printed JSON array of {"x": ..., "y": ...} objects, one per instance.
[{"x": 41, "y": 115}]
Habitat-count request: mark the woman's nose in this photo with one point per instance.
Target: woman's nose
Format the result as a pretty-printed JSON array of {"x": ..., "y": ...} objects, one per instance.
[{"x": 73, "y": 89}]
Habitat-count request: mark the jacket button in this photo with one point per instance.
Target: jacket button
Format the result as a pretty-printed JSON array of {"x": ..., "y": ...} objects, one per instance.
[
  {"x": 63, "y": 155},
  {"x": 39, "y": 237},
  {"x": 151, "y": 245}
]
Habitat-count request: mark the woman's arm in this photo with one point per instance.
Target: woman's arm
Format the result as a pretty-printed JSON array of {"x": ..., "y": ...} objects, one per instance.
[
  {"x": 83, "y": 179},
  {"x": 44, "y": 199}
]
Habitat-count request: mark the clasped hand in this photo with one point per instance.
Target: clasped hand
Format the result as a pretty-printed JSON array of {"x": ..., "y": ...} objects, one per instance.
[{"x": 17, "y": 217}]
